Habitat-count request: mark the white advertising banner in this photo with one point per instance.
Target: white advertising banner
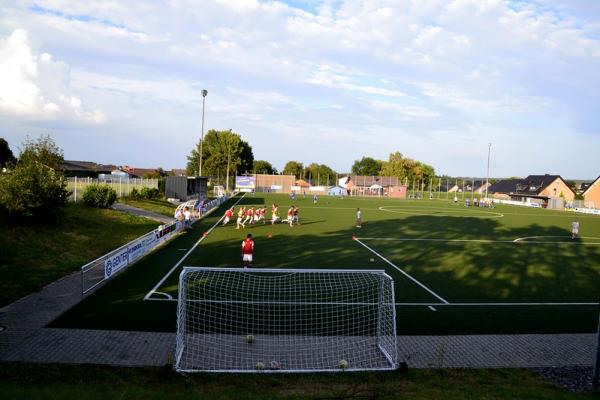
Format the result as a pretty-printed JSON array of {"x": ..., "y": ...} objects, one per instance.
[{"x": 115, "y": 262}]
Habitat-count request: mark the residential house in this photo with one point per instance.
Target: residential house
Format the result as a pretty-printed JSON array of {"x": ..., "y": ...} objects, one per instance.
[
  {"x": 85, "y": 169},
  {"x": 533, "y": 189},
  {"x": 591, "y": 194}
]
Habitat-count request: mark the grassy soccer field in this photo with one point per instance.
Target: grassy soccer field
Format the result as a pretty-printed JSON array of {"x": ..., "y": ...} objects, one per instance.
[{"x": 456, "y": 270}]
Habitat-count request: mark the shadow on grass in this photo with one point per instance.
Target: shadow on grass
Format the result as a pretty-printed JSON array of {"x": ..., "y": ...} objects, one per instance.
[{"x": 457, "y": 271}]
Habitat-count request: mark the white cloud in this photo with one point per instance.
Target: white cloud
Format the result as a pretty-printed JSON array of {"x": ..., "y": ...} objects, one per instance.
[
  {"x": 37, "y": 86},
  {"x": 370, "y": 71}
]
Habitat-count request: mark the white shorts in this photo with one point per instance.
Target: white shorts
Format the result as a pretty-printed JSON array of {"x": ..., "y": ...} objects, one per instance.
[
  {"x": 247, "y": 257},
  {"x": 576, "y": 231}
]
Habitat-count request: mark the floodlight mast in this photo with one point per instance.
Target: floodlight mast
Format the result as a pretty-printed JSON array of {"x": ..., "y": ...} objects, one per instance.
[
  {"x": 487, "y": 177},
  {"x": 204, "y": 93}
]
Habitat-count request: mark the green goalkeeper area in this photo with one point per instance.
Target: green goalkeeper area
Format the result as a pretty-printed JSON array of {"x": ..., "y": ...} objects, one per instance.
[{"x": 456, "y": 269}]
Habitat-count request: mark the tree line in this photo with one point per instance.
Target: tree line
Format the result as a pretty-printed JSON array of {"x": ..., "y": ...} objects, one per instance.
[{"x": 225, "y": 153}]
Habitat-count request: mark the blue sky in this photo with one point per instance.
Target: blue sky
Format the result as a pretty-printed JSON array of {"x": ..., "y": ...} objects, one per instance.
[{"x": 312, "y": 81}]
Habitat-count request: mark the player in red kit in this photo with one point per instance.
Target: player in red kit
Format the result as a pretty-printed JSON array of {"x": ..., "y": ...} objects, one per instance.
[
  {"x": 247, "y": 250},
  {"x": 228, "y": 215}
]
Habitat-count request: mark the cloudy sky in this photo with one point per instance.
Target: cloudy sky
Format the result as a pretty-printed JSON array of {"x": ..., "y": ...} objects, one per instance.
[{"x": 314, "y": 81}]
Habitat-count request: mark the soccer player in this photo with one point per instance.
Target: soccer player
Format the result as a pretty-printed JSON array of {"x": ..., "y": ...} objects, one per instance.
[
  {"x": 455, "y": 199},
  {"x": 296, "y": 215},
  {"x": 574, "y": 229},
  {"x": 358, "y": 218},
  {"x": 263, "y": 212},
  {"x": 240, "y": 218},
  {"x": 315, "y": 199},
  {"x": 228, "y": 215},
  {"x": 250, "y": 216},
  {"x": 274, "y": 214},
  {"x": 247, "y": 250},
  {"x": 290, "y": 215}
]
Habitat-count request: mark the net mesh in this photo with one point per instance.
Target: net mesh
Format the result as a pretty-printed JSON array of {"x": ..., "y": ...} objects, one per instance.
[{"x": 285, "y": 320}]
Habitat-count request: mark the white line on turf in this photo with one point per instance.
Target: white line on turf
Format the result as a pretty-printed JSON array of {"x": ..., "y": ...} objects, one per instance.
[
  {"x": 517, "y": 241},
  {"x": 432, "y": 308},
  {"x": 167, "y": 295},
  {"x": 524, "y": 239},
  {"x": 441, "y": 212},
  {"x": 403, "y": 272},
  {"x": 153, "y": 290},
  {"x": 466, "y": 304}
]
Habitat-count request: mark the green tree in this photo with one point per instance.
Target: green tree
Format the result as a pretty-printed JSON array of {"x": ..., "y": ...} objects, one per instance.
[
  {"x": 367, "y": 166},
  {"x": 6, "y": 155},
  {"x": 407, "y": 169},
  {"x": 159, "y": 173},
  {"x": 319, "y": 174},
  {"x": 35, "y": 187},
  {"x": 263, "y": 167},
  {"x": 222, "y": 151},
  {"x": 43, "y": 151},
  {"x": 293, "y": 168}
]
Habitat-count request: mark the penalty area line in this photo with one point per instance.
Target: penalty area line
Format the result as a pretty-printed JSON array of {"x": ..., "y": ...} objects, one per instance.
[
  {"x": 153, "y": 290},
  {"x": 403, "y": 272}
]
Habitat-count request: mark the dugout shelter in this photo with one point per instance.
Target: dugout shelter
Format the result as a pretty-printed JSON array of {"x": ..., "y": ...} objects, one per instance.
[{"x": 186, "y": 188}]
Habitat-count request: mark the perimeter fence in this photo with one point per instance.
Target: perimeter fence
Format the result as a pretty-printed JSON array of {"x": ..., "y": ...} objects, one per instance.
[
  {"x": 122, "y": 186},
  {"x": 104, "y": 268}
]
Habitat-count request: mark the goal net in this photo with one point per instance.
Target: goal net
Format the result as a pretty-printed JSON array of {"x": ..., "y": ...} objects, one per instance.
[{"x": 274, "y": 320}]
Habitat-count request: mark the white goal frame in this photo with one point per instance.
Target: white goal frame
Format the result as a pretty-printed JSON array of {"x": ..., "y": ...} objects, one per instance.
[{"x": 251, "y": 320}]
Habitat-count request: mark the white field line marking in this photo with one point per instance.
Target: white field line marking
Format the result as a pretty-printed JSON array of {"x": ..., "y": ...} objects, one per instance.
[
  {"x": 153, "y": 290},
  {"x": 517, "y": 241},
  {"x": 432, "y": 308},
  {"x": 167, "y": 295},
  {"x": 456, "y": 304},
  {"x": 401, "y": 271},
  {"x": 439, "y": 212},
  {"x": 496, "y": 304},
  {"x": 524, "y": 239}
]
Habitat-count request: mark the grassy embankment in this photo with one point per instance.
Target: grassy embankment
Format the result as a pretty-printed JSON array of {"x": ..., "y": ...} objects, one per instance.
[{"x": 32, "y": 256}]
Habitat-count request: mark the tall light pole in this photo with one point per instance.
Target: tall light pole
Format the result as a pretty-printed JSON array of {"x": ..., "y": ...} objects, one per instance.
[
  {"x": 204, "y": 93},
  {"x": 487, "y": 177}
]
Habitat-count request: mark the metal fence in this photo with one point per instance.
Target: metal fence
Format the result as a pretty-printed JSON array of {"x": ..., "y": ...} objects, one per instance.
[
  {"x": 96, "y": 272},
  {"x": 123, "y": 186}
]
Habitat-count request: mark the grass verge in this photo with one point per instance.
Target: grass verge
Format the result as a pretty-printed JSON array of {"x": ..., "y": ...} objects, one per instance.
[
  {"x": 18, "y": 381},
  {"x": 33, "y": 256},
  {"x": 158, "y": 206}
]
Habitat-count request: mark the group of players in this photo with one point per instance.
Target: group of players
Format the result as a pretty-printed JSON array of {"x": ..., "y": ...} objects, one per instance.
[{"x": 252, "y": 216}]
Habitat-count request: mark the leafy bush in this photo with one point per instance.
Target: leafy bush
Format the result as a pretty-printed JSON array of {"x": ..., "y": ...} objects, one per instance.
[
  {"x": 134, "y": 194},
  {"x": 34, "y": 187},
  {"x": 99, "y": 196},
  {"x": 149, "y": 193}
]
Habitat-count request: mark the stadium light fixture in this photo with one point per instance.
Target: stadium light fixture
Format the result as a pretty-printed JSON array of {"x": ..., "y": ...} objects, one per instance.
[{"x": 204, "y": 93}]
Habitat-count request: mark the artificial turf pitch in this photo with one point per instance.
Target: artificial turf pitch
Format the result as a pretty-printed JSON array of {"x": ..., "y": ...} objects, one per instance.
[{"x": 463, "y": 271}]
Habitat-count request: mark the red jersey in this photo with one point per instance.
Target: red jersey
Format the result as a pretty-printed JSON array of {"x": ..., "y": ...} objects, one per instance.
[
  {"x": 250, "y": 211},
  {"x": 247, "y": 246},
  {"x": 229, "y": 213}
]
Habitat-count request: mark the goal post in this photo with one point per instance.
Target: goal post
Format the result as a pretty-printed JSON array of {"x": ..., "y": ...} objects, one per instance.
[{"x": 285, "y": 320}]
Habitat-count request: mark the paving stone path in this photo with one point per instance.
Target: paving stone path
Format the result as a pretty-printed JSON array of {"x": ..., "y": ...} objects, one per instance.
[{"x": 25, "y": 338}]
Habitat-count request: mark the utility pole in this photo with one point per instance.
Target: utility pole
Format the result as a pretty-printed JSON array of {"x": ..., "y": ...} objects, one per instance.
[{"x": 204, "y": 93}]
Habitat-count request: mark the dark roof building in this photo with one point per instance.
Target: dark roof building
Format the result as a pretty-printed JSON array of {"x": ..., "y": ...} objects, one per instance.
[
  {"x": 86, "y": 168},
  {"x": 534, "y": 186}
]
